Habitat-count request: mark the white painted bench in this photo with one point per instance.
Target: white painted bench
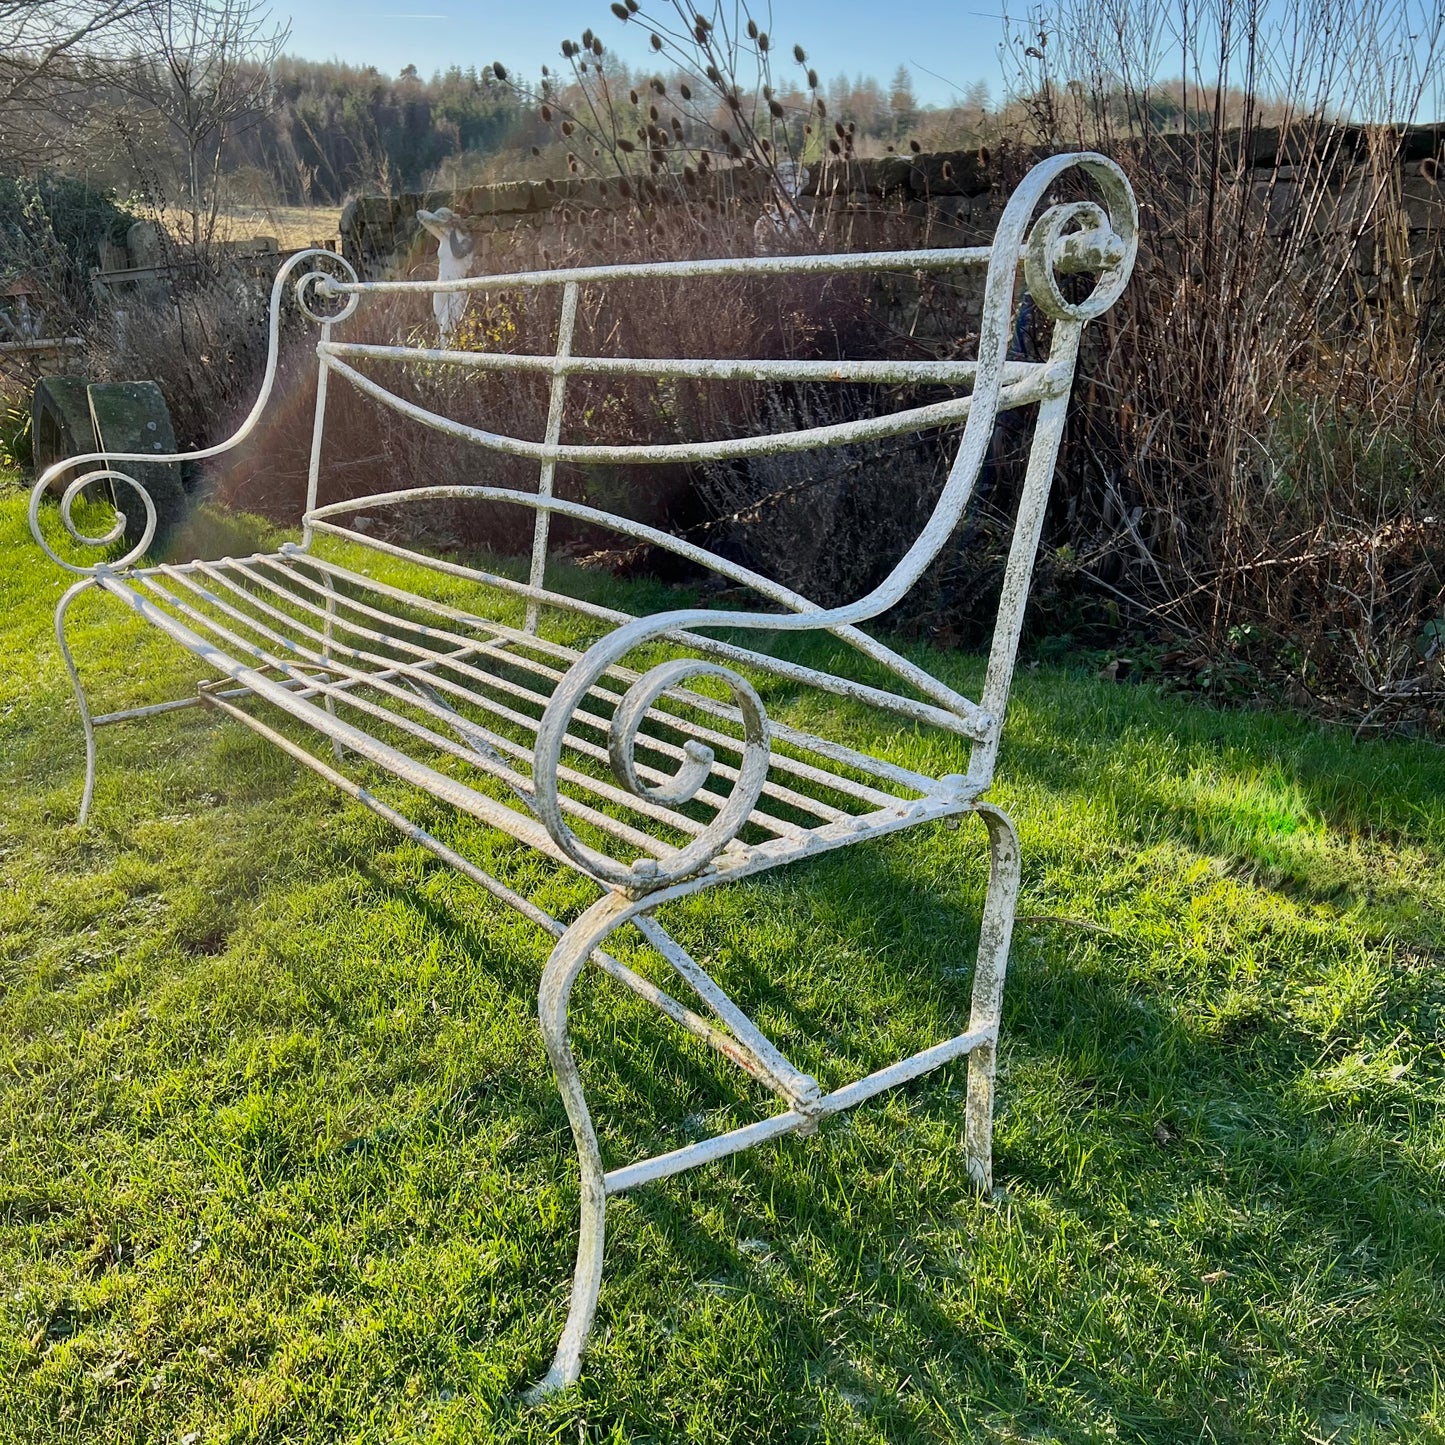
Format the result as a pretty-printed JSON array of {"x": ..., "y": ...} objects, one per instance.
[{"x": 645, "y": 784}]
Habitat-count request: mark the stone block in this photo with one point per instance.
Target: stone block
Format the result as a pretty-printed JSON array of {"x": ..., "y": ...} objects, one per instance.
[
  {"x": 60, "y": 423},
  {"x": 132, "y": 416}
]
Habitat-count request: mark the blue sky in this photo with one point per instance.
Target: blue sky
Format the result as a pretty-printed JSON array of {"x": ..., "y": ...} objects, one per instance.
[{"x": 872, "y": 37}]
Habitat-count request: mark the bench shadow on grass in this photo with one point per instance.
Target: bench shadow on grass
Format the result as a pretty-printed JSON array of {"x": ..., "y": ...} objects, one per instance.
[{"x": 1065, "y": 1016}]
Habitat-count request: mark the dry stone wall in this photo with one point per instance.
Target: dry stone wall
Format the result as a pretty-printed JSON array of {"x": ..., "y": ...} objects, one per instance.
[
  {"x": 936, "y": 199},
  {"x": 944, "y": 197}
]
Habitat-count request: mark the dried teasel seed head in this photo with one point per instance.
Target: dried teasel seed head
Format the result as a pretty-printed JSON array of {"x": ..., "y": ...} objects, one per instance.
[
  {"x": 914, "y": 146},
  {"x": 764, "y": 144},
  {"x": 653, "y": 111},
  {"x": 625, "y": 145},
  {"x": 763, "y": 41},
  {"x": 546, "y": 112},
  {"x": 689, "y": 176},
  {"x": 702, "y": 22},
  {"x": 714, "y": 74},
  {"x": 545, "y": 72},
  {"x": 735, "y": 151},
  {"x": 822, "y": 106},
  {"x": 656, "y": 41},
  {"x": 685, "y": 90},
  {"x": 658, "y": 88},
  {"x": 812, "y": 80},
  {"x": 632, "y": 96},
  {"x": 550, "y": 184},
  {"x": 808, "y": 130},
  {"x": 499, "y": 70},
  {"x": 733, "y": 103},
  {"x": 677, "y": 127},
  {"x": 596, "y": 46},
  {"x": 775, "y": 109},
  {"x": 838, "y": 129},
  {"x": 835, "y": 148},
  {"x": 569, "y": 49},
  {"x": 536, "y": 151},
  {"x": 983, "y": 155},
  {"x": 621, "y": 11},
  {"x": 700, "y": 34},
  {"x": 800, "y": 55},
  {"x": 752, "y": 29},
  {"x": 567, "y": 127},
  {"x": 587, "y": 39}
]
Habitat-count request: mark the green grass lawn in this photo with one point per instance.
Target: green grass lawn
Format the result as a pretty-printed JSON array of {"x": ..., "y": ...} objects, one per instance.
[{"x": 281, "y": 1158}]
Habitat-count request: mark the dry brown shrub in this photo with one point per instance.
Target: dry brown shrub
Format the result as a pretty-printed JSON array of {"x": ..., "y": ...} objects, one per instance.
[{"x": 1253, "y": 465}]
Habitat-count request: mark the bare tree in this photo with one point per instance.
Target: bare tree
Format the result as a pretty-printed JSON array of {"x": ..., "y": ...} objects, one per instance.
[
  {"x": 202, "y": 69},
  {"x": 41, "y": 45}
]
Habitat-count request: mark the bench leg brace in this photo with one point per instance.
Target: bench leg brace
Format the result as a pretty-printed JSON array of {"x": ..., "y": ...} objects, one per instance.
[{"x": 85, "y": 720}]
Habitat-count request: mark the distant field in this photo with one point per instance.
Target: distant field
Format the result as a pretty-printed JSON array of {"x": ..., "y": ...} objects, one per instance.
[{"x": 293, "y": 226}]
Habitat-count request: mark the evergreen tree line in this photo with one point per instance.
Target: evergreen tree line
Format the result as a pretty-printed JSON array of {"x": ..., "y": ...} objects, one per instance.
[
  {"x": 334, "y": 130},
  {"x": 322, "y": 131}
]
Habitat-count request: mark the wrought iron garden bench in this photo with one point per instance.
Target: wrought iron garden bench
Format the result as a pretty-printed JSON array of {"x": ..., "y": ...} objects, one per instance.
[{"x": 658, "y": 782}]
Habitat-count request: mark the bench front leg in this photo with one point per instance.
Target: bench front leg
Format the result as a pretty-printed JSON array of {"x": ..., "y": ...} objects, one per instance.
[
  {"x": 80, "y": 701},
  {"x": 568, "y": 959},
  {"x": 994, "y": 937}
]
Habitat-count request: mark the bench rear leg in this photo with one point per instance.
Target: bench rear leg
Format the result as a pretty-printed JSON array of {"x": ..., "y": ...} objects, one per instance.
[
  {"x": 85, "y": 720},
  {"x": 988, "y": 980},
  {"x": 567, "y": 961}
]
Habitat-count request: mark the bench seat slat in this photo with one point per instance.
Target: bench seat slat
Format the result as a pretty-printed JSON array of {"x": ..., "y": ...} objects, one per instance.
[
  {"x": 513, "y": 780},
  {"x": 516, "y": 780},
  {"x": 243, "y": 604},
  {"x": 880, "y": 768},
  {"x": 550, "y": 675}
]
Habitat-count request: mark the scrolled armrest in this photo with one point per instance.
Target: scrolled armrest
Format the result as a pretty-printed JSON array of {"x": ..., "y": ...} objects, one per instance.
[
  {"x": 104, "y": 473},
  {"x": 313, "y": 289},
  {"x": 647, "y": 874}
]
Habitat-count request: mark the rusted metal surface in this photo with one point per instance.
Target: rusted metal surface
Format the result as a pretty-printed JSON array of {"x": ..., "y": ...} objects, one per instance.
[{"x": 653, "y": 781}]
